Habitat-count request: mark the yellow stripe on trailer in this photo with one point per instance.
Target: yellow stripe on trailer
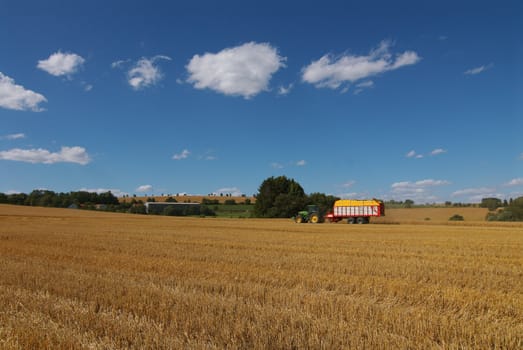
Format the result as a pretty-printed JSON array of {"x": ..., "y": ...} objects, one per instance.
[{"x": 355, "y": 203}]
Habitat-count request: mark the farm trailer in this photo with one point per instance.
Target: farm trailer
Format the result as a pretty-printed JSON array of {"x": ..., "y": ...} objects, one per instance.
[{"x": 355, "y": 211}]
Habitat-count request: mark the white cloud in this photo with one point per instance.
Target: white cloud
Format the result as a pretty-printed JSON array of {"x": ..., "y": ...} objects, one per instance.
[
  {"x": 405, "y": 59},
  {"x": 331, "y": 71},
  {"x": 233, "y": 191},
  {"x": 475, "y": 195},
  {"x": 413, "y": 154},
  {"x": 13, "y": 136},
  {"x": 477, "y": 70},
  {"x": 365, "y": 84},
  {"x": 66, "y": 155},
  {"x": 515, "y": 182},
  {"x": 435, "y": 152},
  {"x": 348, "y": 184},
  {"x": 207, "y": 155},
  {"x": 119, "y": 63},
  {"x": 276, "y": 165},
  {"x": 16, "y": 97},
  {"x": 285, "y": 90},
  {"x": 301, "y": 163},
  {"x": 473, "y": 191},
  {"x": 431, "y": 182},
  {"x": 360, "y": 87},
  {"x": 183, "y": 155},
  {"x": 243, "y": 70},
  {"x": 419, "y": 191},
  {"x": 145, "y": 72},
  {"x": 144, "y": 188},
  {"x": 59, "y": 63},
  {"x": 438, "y": 151}
]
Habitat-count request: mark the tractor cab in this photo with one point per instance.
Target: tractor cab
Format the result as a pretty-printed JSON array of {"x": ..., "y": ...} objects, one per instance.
[{"x": 312, "y": 208}]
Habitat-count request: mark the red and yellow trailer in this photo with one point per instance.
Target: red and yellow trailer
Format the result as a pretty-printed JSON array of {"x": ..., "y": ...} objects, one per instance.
[{"x": 355, "y": 210}]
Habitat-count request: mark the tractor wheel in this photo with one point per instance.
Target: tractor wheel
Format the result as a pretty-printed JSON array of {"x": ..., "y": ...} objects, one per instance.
[
  {"x": 350, "y": 220},
  {"x": 298, "y": 219},
  {"x": 314, "y": 219}
]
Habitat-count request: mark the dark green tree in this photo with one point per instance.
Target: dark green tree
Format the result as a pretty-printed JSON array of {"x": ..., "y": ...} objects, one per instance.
[
  {"x": 40, "y": 198},
  {"x": 107, "y": 198},
  {"x": 17, "y": 198},
  {"x": 491, "y": 203},
  {"x": 323, "y": 201},
  {"x": 279, "y": 197}
]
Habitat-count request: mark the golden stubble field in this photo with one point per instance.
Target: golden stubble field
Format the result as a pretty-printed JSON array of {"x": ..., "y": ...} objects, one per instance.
[{"x": 88, "y": 280}]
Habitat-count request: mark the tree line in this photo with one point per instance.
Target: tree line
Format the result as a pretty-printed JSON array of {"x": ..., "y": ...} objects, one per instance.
[
  {"x": 278, "y": 197},
  {"x": 47, "y": 198},
  {"x": 512, "y": 211}
]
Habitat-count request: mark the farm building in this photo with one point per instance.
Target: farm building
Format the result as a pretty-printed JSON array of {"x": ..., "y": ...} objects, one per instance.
[{"x": 183, "y": 208}]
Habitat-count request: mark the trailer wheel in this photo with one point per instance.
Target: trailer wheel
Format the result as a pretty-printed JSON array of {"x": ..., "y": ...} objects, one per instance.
[
  {"x": 350, "y": 220},
  {"x": 360, "y": 220}
]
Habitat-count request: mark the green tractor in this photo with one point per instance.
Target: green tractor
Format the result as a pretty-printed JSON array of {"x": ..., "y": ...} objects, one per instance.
[{"x": 312, "y": 215}]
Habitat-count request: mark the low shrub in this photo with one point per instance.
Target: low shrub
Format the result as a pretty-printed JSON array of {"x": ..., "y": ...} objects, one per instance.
[{"x": 456, "y": 217}]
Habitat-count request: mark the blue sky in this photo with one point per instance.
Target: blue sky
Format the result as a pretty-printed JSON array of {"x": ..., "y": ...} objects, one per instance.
[{"x": 396, "y": 100}]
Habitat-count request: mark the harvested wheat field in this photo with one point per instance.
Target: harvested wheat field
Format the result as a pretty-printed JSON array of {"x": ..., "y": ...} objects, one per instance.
[
  {"x": 431, "y": 215},
  {"x": 77, "y": 279}
]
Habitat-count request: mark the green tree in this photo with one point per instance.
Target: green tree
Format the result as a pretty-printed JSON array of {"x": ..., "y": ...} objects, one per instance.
[
  {"x": 323, "y": 201},
  {"x": 40, "y": 198},
  {"x": 491, "y": 203},
  {"x": 107, "y": 198},
  {"x": 17, "y": 198},
  {"x": 279, "y": 197}
]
